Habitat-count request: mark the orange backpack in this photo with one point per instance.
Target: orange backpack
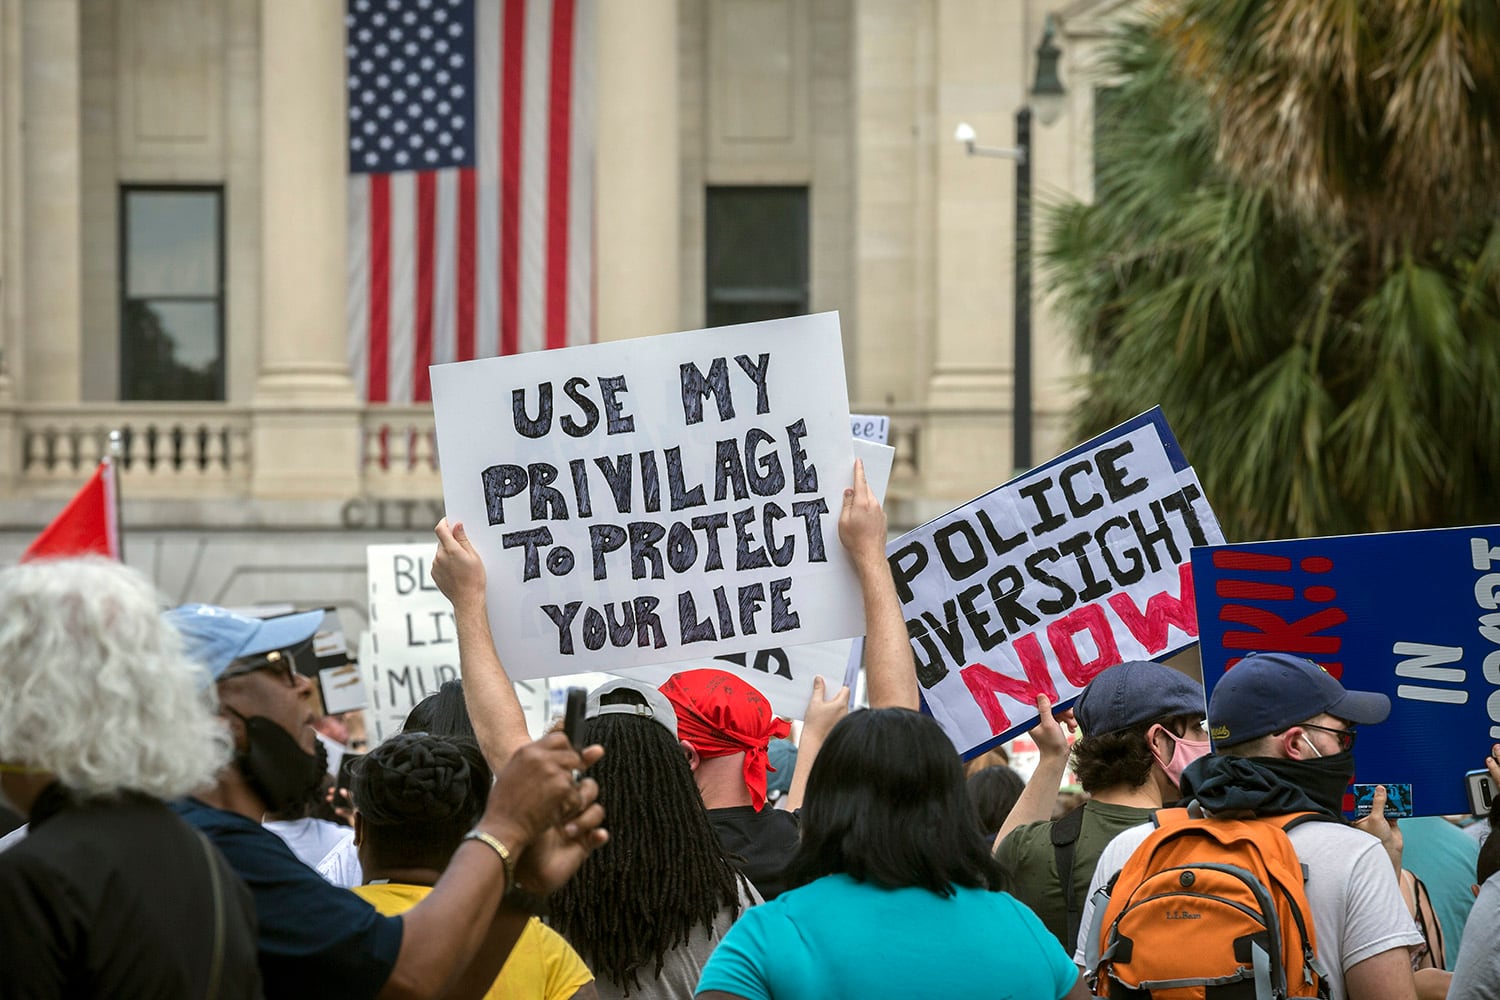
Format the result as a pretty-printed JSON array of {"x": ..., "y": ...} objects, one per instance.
[{"x": 1208, "y": 909}]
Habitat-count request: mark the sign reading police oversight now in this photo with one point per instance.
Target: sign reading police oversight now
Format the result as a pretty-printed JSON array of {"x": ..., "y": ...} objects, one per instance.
[
  {"x": 645, "y": 501},
  {"x": 1413, "y": 614},
  {"x": 1040, "y": 584},
  {"x": 413, "y": 646}
]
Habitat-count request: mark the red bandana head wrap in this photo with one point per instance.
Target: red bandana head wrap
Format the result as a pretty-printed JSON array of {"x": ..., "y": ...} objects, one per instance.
[{"x": 719, "y": 714}]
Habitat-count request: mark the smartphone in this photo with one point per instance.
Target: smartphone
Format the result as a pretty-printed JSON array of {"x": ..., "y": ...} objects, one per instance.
[
  {"x": 573, "y": 717},
  {"x": 1481, "y": 795},
  {"x": 1397, "y": 799}
]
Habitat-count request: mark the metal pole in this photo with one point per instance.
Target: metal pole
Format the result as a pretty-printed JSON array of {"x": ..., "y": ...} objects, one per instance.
[
  {"x": 116, "y": 449},
  {"x": 1021, "y": 416}
]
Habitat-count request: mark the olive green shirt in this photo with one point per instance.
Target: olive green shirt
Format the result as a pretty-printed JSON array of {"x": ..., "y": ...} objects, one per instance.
[{"x": 1028, "y": 855}]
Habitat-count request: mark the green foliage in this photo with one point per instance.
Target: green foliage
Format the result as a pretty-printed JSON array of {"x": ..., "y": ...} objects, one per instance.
[{"x": 1320, "y": 381}]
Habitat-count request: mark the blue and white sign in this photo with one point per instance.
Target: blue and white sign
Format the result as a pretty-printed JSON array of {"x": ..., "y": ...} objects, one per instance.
[{"x": 1413, "y": 614}]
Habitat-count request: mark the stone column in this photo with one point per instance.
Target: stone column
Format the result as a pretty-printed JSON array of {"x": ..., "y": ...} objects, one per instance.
[
  {"x": 51, "y": 178},
  {"x": 638, "y": 169},
  {"x": 970, "y": 389},
  {"x": 306, "y": 436}
]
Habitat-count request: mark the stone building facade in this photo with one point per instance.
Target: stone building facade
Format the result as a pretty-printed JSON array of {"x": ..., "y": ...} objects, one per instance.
[{"x": 268, "y": 493}]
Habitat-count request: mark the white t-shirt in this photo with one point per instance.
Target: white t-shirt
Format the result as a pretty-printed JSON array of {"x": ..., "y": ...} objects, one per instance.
[
  {"x": 1357, "y": 909},
  {"x": 327, "y": 848}
]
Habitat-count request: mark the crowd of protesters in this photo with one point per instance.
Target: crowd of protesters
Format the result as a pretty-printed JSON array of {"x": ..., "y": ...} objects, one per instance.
[{"x": 179, "y": 842}]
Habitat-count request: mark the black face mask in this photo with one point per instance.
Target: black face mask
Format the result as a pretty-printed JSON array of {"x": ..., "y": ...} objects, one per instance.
[
  {"x": 276, "y": 767},
  {"x": 1323, "y": 779}
]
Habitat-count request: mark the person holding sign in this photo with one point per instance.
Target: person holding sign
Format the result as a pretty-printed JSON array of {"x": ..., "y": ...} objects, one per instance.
[
  {"x": 1142, "y": 724},
  {"x": 539, "y": 824}
]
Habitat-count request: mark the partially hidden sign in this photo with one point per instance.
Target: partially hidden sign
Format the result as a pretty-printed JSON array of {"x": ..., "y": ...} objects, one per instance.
[
  {"x": 413, "y": 648},
  {"x": 1412, "y": 614},
  {"x": 653, "y": 500},
  {"x": 1040, "y": 584}
]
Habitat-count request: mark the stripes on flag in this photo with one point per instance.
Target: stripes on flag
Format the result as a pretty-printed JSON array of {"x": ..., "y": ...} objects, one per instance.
[{"x": 491, "y": 249}]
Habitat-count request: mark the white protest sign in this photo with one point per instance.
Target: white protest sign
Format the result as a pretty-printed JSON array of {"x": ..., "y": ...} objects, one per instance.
[
  {"x": 868, "y": 428},
  {"x": 785, "y": 674},
  {"x": 413, "y": 646},
  {"x": 653, "y": 500},
  {"x": 1040, "y": 584}
]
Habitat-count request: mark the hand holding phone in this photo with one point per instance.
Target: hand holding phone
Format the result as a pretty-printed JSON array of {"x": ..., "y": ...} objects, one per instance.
[
  {"x": 1481, "y": 793},
  {"x": 1398, "y": 804}
]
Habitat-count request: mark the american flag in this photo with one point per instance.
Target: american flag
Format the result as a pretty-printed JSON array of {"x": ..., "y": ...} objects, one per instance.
[{"x": 471, "y": 184}]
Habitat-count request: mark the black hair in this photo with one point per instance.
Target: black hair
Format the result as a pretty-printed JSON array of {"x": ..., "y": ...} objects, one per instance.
[
  {"x": 418, "y": 795},
  {"x": 662, "y": 873},
  {"x": 994, "y": 791},
  {"x": 1488, "y": 862},
  {"x": 886, "y": 803},
  {"x": 443, "y": 712},
  {"x": 1122, "y": 757}
]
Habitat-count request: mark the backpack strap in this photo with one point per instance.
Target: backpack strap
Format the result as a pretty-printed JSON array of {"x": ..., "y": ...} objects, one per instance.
[{"x": 1064, "y": 838}]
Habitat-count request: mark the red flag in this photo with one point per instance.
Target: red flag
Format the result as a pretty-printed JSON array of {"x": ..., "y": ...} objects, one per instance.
[{"x": 88, "y": 524}]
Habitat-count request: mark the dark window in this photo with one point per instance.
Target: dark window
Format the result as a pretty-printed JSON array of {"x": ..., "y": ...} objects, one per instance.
[
  {"x": 172, "y": 293},
  {"x": 757, "y": 254}
]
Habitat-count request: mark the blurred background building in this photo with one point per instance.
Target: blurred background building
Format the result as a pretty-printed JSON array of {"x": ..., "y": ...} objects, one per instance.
[{"x": 174, "y": 204}]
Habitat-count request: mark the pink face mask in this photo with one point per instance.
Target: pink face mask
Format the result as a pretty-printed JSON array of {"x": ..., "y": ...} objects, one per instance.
[{"x": 1184, "y": 752}]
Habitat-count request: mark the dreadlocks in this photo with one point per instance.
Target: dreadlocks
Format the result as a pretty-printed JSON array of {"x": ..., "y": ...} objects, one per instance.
[
  {"x": 663, "y": 872},
  {"x": 418, "y": 794}
]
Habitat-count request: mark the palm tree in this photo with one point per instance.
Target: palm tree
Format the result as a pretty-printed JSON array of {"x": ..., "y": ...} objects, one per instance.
[
  {"x": 1377, "y": 116},
  {"x": 1329, "y": 364}
]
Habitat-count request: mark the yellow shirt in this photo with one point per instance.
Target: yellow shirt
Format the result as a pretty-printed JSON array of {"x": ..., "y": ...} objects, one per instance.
[{"x": 541, "y": 964}]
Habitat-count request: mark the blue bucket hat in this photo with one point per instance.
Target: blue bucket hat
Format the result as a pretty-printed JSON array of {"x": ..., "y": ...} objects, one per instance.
[
  {"x": 1131, "y": 693},
  {"x": 215, "y": 637},
  {"x": 1267, "y": 692}
]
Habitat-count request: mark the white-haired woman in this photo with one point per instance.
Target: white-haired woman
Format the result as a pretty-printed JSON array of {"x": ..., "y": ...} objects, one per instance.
[{"x": 102, "y": 718}]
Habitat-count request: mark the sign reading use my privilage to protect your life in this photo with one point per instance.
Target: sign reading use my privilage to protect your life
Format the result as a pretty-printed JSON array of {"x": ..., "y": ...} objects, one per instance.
[{"x": 653, "y": 500}]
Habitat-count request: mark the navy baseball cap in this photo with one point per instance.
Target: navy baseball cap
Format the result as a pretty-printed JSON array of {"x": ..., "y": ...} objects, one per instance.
[
  {"x": 1134, "y": 692},
  {"x": 216, "y": 637},
  {"x": 1268, "y": 692}
]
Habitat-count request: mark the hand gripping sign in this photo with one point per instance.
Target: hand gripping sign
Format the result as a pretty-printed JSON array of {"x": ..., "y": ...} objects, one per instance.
[
  {"x": 1040, "y": 584},
  {"x": 652, "y": 500}
]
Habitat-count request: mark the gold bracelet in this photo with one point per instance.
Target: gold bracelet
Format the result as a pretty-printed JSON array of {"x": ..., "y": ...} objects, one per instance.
[{"x": 494, "y": 844}]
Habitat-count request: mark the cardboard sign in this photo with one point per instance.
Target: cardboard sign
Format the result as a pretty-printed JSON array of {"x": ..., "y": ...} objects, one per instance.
[
  {"x": 1412, "y": 614},
  {"x": 655, "y": 500},
  {"x": 1043, "y": 582},
  {"x": 785, "y": 674}
]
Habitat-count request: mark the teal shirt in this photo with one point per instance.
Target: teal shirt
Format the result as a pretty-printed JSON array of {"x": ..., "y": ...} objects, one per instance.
[
  {"x": 838, "y": 937},
  {"x": 1443, "y": 857}
]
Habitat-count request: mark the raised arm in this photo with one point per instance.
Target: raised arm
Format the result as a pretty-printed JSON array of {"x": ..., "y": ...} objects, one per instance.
[
  {"x": 493, "y": 706},
  {"x": 1037, "y": 798},
  {"x": 890, "y": 668},
  {"x": 821, "y": 716}
]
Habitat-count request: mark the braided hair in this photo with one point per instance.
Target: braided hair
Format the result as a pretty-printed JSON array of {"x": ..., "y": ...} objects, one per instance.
[
  {"x": 663, "y": 872},
  {"x": 419, "y": 794}
]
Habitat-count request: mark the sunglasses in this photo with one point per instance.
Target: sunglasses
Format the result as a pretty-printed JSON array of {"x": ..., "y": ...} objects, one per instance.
[
  {"x": 1345, "y": 737},
  {"x": 282, "y": 662}
]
